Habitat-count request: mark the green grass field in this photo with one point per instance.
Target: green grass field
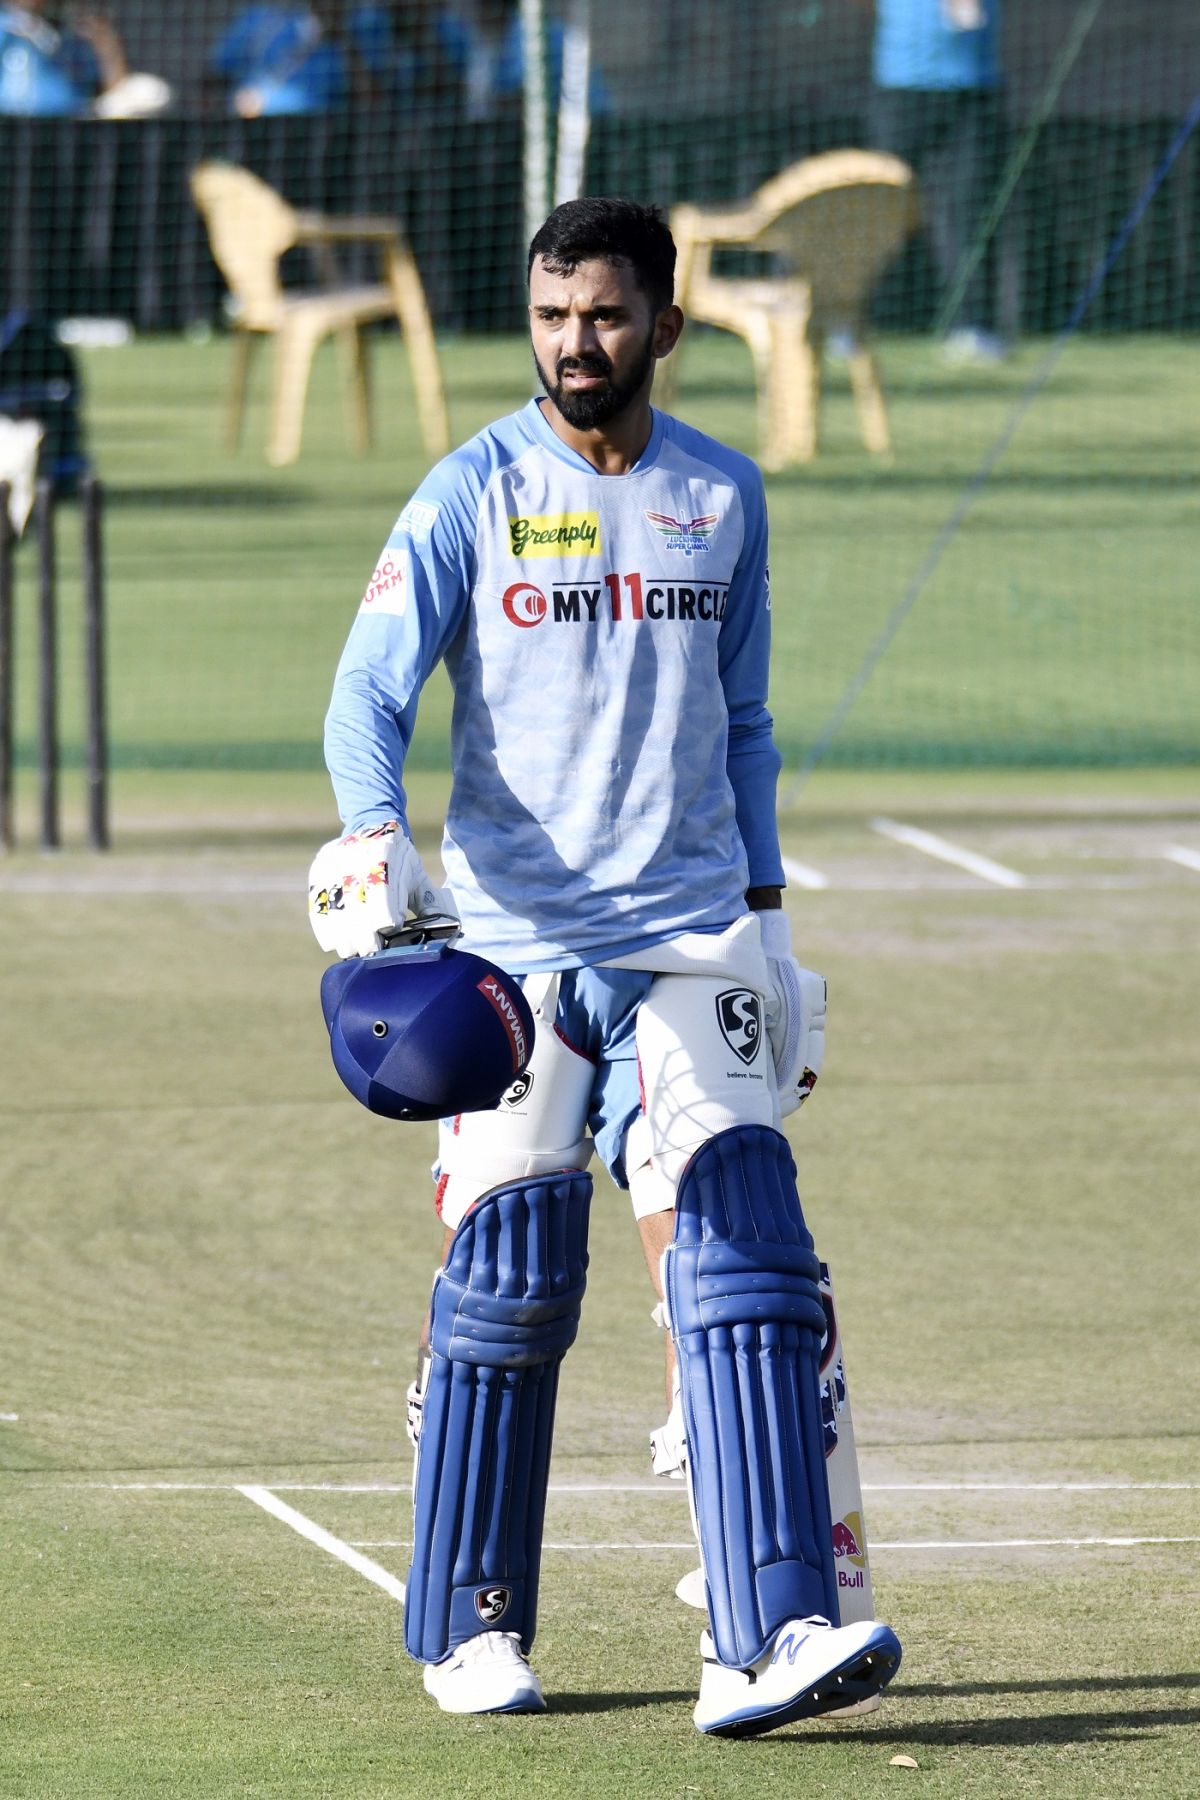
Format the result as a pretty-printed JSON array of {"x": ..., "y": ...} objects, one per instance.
[
  {"x": 213, "y": 1264},
  {"x": 1058, "y": 626}
]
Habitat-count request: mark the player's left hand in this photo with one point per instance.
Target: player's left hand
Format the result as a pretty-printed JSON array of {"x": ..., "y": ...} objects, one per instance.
[{"x": 795, "y": 1007}]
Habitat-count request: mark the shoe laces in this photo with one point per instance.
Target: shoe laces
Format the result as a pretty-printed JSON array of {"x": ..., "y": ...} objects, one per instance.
[{"x": 495, "y": 1647}]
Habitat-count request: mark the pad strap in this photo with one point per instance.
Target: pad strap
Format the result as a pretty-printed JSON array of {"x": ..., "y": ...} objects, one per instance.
[
  {"x": 505, "y": 1312},
  {"x": 742, "y": 1286}
]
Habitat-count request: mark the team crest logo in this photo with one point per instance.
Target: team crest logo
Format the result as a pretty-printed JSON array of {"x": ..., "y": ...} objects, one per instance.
[
  {"x": 688, "y": 535},
  {"x": 492, "y": 1603},
  {"x": 739, "y": 1014},
  {"x": 514, "y": 1095}
]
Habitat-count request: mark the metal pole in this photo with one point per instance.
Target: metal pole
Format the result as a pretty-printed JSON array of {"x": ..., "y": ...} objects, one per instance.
[
  {"x": 47, "y": 666},
  {"x": 94, "y": 663},
  {"x": 574, "y": 119},
  {"x": 8, "y": 539},
  {"x": 537, "y": 148}
]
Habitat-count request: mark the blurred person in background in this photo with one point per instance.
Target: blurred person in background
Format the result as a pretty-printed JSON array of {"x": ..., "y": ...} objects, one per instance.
[
  {"x": 50, "y": 69},
  {"x": 316, "y": 58},
  {"x": 484, "y": 39},
  {"x": 936, "y": 103},
  {"x": 309, "y": 58},
  {"x": 280, "y": 59}
]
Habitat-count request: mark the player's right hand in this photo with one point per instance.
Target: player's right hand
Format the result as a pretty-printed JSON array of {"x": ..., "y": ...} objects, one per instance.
[{"x": 365, "y": 883}]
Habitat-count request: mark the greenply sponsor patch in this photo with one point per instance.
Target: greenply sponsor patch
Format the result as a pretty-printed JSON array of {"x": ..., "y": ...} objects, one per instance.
[{"x": 555, "y": 534}]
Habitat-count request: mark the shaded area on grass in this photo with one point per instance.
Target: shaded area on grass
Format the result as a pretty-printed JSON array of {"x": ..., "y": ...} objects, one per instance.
[{"x": 1038, "y": 1731}]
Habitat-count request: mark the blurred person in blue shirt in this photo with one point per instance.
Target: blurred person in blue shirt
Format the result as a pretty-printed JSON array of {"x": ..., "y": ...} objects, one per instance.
[
  {"x": 315, "y": 58},
  {"x": 936, "y": 103},
  {"x": 484, "y": 39},
  {"x": 312, "y": 58},
  {"x": 49, "y": 71},
  {"x": 280, "y": 59}
]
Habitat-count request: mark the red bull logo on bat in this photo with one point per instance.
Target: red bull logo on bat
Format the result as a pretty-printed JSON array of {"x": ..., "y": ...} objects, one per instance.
[{"x": 850, "y": 1546}]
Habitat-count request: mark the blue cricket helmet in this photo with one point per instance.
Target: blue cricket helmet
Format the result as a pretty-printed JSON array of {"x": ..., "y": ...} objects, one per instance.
[{"x": 425, "y": 1031}]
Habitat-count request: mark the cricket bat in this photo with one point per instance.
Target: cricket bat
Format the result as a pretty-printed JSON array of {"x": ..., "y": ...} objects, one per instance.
[{"x": 841, "y": 1471}]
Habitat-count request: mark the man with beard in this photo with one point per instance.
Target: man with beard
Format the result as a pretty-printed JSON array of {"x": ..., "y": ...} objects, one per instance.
[{"x": 593, "y": 573}]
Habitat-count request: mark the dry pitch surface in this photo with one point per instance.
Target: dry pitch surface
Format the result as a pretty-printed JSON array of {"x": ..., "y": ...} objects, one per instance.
[{"x": 213, "y": 1266}]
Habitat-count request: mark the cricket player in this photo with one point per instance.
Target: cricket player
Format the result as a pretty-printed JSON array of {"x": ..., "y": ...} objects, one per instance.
[{"x": 593, "y": 574}]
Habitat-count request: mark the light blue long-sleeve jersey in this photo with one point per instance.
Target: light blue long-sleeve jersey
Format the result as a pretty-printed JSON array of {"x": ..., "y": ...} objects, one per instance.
[{"x": 607, "y": 640}]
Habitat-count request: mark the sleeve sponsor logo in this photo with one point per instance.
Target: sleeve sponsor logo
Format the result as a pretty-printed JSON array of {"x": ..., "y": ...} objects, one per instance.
[
  {"x": 555, "y": 534},
  {"x": 689, "y": 535},
  {"x": 387, "y": 590},
  {"x": 417, "y": 520}
]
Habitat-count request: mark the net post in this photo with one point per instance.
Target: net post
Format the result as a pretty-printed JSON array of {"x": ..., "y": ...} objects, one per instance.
[
  {"x": 8, "y": 539},
  {"x": 47, "y": 666},
  {"x": 96, "y": 732}
]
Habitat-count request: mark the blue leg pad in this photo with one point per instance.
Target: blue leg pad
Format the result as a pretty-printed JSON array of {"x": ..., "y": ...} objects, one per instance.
[
  {"x": 505, "y": 1312},
  {"x": 742, "y": 1286}
]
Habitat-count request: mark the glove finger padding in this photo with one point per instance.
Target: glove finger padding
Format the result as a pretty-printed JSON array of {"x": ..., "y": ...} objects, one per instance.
[
  {"x": 795, "y": 1010},
  {"x": 807, "y": 998},
  {"x": 366, "y": 882}
]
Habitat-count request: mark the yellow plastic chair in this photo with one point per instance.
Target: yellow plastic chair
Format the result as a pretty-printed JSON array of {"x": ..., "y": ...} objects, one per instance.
[
  {"x": 832, "y": 223},
  {"x": 250, "y": 227}
]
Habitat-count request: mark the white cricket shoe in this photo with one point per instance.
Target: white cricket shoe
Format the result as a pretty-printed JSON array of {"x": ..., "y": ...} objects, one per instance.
[
  {"x": 487, "y": 1674},
  {"x": 811, "y": 1668},
  {"x": 690, "y": 1588}
]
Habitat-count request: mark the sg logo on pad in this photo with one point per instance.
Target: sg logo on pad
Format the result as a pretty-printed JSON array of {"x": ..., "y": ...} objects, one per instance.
[
  {"x": 492, "y": 1603},
  {"x": 739, "y": 1014}
]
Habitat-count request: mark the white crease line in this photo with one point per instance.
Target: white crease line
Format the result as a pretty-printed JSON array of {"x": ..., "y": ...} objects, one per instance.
[
  {"x": 157, "y": 1487},
  {"x": 1187, "y": 859},
  {"x": 341, "y": 1487},
  {"x": 406, "y": 1544},
  {"x": 133, "y": 883},
  {"x": 1025, "y": 1487},
  {"x": 1074, "y": 1543},
  {"x": 677, "y": 1490},
  {"x": 802, "y": 875},
  {"x": 672, "y": 1490},
  {"x": 324, "y": 1540},
  {"x": 1071, "y": 1543},
  {"x": 945, "y": 851}
]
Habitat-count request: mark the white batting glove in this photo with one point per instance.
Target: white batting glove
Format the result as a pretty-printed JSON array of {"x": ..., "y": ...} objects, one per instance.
[
  {"x": 795, "y": 1009},
  {"x": 367, "y": 882}
]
